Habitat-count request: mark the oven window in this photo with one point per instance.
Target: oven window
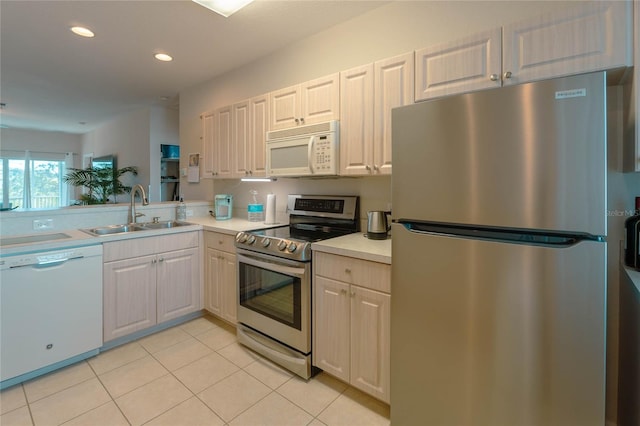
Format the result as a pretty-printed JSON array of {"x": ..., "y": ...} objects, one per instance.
[{"x": 271, "y": 294}]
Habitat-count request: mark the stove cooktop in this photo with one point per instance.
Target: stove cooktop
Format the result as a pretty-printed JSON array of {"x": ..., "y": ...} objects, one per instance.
[{"x": 310, "y": 221}]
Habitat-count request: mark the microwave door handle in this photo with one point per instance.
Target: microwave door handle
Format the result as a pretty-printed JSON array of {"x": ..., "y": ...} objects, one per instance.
[{"x": 312, "y": 141}]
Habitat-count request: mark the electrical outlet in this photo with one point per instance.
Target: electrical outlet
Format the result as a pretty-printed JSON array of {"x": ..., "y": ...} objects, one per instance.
[{"x": 42, "y": 224}]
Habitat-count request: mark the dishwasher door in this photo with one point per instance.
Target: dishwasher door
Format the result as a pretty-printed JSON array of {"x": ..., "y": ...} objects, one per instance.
[{"x": 50, "y": 308}]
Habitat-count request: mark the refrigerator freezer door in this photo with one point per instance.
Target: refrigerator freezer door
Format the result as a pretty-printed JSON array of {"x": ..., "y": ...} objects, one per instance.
[
  {"x": 526, "y": 156},
  {"x": 495, "y": 334}
]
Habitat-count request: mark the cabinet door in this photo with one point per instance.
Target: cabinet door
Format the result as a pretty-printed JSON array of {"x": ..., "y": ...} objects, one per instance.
[
  {"x": 223, "y": 142},
  {"x": 285, "y": 108},
  {"x": 465, "y": 65},
  {"x": 227, "y": 282},
  {"x": 178, "y": 283},
  {"x": 356, "y": 121},
  {"x": 321, "y": 99},
  {"x": 589, "y": 37},
  {"x": 241, "y": 139},
  {"x": 331, "y": 327},
  {"x": 213, "y": 298},
  {"x": 370, "y": 341},
  {"x": 393, "y": 88},
  {"x": 129, "y": 296},
  {"x": 259, "y": 116},
  {"x": 208, "y": 145}
]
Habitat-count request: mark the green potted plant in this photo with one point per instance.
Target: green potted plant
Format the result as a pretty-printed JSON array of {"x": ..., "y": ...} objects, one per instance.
[{"x": 101, "y": 182}]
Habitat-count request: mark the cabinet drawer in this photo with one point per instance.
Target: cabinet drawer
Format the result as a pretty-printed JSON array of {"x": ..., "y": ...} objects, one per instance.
[
  {"x": 218, "y": 241},
  {"x": 144, "y": 246},
  {"x": 364, "y": 273}
]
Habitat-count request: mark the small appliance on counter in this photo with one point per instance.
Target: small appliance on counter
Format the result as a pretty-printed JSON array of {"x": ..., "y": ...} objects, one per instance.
[
  {"x": 223, "y": 206},
  {"x": 377, "y": 225}
]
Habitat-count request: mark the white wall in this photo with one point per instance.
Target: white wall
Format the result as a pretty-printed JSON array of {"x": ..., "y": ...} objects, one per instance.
[
  {"x": 135, "y": 139},
  {"x": 164, "y": 130},
  {"x": 41, "y": 141},
  {"x": 126, "y": 137}
]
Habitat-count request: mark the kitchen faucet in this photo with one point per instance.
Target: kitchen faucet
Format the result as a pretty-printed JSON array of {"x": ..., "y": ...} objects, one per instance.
[{"x": 132, "y": 209}]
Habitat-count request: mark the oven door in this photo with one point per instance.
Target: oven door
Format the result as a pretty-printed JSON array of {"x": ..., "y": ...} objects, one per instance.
[{"x": 274, "y": 297}]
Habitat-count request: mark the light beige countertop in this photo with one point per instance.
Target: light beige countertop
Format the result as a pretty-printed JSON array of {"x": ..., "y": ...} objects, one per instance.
[
  {"x": 634, "y": 276},
  {"x": 229, "y": 226},
  {"x": 358, "y": 246}
]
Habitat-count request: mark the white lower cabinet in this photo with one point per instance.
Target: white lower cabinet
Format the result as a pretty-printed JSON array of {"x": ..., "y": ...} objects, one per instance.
[
  {"x": 148, "y": 281},
  {"x": 352, "y": 321},
  {"x": 220, "y": 276}
]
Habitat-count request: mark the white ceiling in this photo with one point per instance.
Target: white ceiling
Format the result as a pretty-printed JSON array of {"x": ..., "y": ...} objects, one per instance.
[{"x": 51, "y": 79}]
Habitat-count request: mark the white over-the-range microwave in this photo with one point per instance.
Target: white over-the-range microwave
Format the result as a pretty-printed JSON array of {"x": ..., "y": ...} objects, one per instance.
[{"x": 310, "y": 150}]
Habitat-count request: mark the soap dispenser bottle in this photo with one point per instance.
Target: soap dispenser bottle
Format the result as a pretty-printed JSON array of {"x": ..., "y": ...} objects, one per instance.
[{"x": 181, "y": 210}]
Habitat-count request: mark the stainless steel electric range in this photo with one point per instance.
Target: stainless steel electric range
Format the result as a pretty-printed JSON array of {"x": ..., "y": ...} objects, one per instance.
[{"x": 274, "y": 277}]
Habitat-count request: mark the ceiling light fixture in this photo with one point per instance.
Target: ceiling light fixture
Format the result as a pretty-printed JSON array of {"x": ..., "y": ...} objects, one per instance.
[
  {"x": 83, "y": 32},
  {"x": 163, "y": 57},
  {"x": 225, "y": 8}
]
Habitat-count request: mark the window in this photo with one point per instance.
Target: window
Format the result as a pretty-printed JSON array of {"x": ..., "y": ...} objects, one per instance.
[{"x": 43, "y": 185}]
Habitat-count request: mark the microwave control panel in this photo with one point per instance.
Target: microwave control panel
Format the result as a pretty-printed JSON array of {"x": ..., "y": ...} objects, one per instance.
[{"x": 324, "y": 155}]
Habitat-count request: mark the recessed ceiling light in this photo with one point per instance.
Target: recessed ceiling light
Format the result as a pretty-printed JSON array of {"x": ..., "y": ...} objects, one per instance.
[
  {"x": 163, "y": 57},
  {"x": 225, "y": 8},
  {"x": 83, "y": 32}
]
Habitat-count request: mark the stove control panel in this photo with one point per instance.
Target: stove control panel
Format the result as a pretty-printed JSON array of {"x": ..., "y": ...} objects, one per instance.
[{"x": 275, "y": 246}]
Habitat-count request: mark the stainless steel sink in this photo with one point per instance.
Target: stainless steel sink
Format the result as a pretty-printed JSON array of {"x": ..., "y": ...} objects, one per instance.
[
  {"x": 113, "y": 229},
  {"x": 133, "y": 227},
  {"x": 162, "y": 225}
]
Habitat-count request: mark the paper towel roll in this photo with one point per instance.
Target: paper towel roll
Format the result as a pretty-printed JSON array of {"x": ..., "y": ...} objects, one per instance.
[{"x": 270, "y": 212}]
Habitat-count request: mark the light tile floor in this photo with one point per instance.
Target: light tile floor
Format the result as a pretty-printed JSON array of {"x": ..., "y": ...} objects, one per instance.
[{"x": 192, "y": 374}]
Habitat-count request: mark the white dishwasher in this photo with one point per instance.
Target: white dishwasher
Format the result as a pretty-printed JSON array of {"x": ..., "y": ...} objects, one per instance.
[{"x": 50, "y": 310}]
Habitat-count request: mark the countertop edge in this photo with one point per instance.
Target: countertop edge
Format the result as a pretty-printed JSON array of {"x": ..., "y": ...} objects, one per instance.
[{"x": 634, "y": 276}]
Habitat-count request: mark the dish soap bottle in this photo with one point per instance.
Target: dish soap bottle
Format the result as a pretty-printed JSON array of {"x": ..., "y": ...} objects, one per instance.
[
  {"x": 255, "y": 211},
  {"x": 181, "y": 210}
]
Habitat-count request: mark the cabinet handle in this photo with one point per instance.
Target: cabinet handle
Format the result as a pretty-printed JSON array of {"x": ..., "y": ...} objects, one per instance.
[
  {"x": 506, "y": 75},
  {"x": 347, "y": 270},
  {"x": 353, "y": 294},
  {"x": 302, "y": 120},
  {"x": 161, "y": 259},
  {"x": 246, "y": 172},
  {"x": 375, "y": 167},
  {"x": 368, "y": 167},
  {"x": 297, "y": 121},
  {"x": 494, "y": 77},
  {"x": 153, "y": 261},
  {"x": 220, "y": 242},
  {"x": 343, "y": 291}
]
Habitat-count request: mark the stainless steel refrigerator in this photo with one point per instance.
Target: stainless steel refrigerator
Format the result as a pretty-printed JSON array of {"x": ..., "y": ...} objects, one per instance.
[{"x": 498, "y": 298}]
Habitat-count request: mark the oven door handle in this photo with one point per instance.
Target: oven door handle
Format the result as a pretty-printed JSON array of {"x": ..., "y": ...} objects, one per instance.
[{"x": 276, "y": 267}]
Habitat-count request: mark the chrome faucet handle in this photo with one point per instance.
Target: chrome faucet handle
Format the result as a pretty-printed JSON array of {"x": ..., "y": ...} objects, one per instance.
[
  {"x": 156, "y": 219},
  {"x": 140, "y": 214}
]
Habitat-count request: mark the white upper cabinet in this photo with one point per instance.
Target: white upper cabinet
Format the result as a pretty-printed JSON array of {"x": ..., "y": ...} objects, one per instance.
[
  {"x": 464, "y": 65},
  {"x": 259, "y": 119},
  {"x": 590, "y": 36},
  {"x": 241, "y": 139},
  {"x": 367, "y": 95},
  {"x": 250, "y": 126},
  {"x": 356, "y": 120},
  {"x": 217, "y": 143},
  {"x": 393, "y": 81},
  {"x": 312, "y": 102}
]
